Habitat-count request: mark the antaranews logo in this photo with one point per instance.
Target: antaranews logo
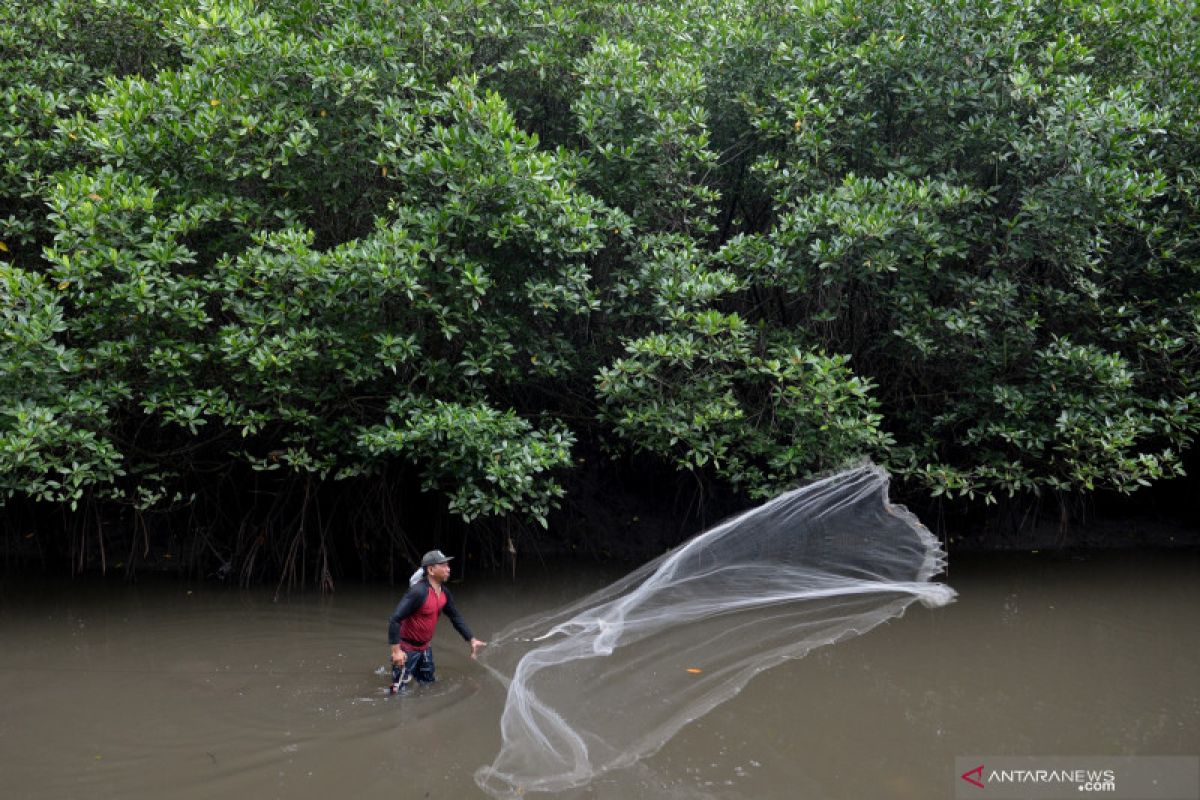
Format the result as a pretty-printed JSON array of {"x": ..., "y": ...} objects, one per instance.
[
  {"x": 1082, "y": 780},
  {"x": 974, "y": 776},
  {"x": 1064, "y": 777}
]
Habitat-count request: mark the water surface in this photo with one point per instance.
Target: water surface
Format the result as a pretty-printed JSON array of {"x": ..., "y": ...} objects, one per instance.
[{"x": 193, "y": 691}]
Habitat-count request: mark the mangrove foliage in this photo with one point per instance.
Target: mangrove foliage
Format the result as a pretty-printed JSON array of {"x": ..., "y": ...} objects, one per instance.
[{"x": 459, "y": 249}]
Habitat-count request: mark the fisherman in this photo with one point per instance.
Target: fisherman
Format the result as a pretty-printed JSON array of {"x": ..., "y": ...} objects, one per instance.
[{"x": 411, "y": 626}]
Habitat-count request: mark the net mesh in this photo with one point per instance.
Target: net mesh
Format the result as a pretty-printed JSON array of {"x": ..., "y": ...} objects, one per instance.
[{"x": 607, "y": 680}]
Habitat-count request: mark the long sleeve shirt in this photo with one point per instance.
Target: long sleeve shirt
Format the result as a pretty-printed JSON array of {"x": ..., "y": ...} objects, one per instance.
[{"x": 416, "y": 616}]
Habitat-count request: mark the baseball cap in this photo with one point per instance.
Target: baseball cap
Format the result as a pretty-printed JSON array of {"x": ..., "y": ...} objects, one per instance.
[{"x": 434, "y": 557}]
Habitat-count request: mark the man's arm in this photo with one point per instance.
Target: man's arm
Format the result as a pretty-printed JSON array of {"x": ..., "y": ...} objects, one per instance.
[
  {"x": 413, "y": 599},
  {"x": 460, "y": 624}
]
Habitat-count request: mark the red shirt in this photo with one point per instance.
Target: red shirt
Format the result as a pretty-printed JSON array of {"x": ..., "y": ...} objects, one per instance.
[{"x": 417, "y": 630}]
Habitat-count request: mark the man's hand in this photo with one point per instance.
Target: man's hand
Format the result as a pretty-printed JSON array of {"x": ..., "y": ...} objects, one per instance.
[
  {"x": 398, "y": 656},
  {"x": 475, "y": 646}
]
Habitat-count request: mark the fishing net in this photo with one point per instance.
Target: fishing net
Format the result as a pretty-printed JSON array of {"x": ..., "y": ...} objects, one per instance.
[{"x": 609, "y": 679}]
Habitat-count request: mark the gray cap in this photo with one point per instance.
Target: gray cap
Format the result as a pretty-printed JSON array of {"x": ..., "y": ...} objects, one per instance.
[{"x": 434, "y": 557}]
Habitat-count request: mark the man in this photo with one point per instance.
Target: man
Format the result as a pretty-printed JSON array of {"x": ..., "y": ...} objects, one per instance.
[{"x": 411, "y": 626}]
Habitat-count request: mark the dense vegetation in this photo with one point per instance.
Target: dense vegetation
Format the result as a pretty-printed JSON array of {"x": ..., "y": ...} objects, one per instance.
[{"x": 445, "y": 244}]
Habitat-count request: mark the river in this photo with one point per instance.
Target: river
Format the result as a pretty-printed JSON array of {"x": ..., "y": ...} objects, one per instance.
[{"x": 166, "y": 689}]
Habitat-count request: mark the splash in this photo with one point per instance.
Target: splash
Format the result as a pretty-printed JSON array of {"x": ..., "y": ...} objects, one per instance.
[{"x": 608, "y": 680}]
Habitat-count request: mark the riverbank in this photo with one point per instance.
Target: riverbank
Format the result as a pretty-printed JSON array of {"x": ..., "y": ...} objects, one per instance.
[
  {"x": 615, "y": 516},
  {"x": 631, "y": 526},
  {"x": 1119, "y": 533}
]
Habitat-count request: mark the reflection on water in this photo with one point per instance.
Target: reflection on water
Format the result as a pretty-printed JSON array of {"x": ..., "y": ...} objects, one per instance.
[{"x": 109, "y": 690}]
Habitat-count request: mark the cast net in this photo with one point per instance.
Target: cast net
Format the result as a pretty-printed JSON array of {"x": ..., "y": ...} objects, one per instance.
[{"x": 609, "y": 679}]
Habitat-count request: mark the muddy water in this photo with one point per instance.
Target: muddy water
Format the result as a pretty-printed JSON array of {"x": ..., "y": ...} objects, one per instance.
[{"x": 170, "y": 690}]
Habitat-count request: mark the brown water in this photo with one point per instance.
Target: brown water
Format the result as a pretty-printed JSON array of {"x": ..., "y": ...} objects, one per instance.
[{"x": 168, "y": 690}]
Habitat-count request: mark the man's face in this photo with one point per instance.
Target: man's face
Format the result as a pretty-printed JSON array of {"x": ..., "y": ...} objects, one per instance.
[{"x": 440, "y": 571}]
